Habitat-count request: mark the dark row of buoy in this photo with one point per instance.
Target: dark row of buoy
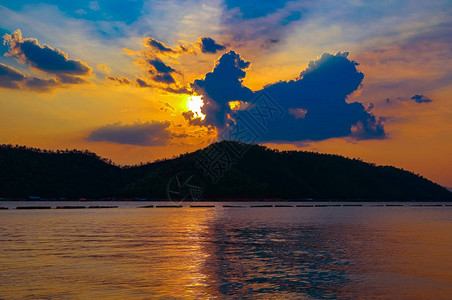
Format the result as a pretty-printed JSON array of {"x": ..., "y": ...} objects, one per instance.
[
  {"x": 64, "y": 207},
  {"x": 299, "y": 205},
  {"x": 233, "y": 206}
]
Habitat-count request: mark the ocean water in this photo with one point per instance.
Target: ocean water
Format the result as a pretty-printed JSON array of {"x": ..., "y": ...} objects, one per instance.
[{"x": 221, "y": 253}]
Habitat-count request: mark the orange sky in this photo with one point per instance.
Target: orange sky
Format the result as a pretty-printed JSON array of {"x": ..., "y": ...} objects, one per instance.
[{"x": 400, "y": 58}]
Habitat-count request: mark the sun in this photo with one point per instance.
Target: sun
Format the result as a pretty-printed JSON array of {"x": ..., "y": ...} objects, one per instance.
[{"x": 194, "y": 104}]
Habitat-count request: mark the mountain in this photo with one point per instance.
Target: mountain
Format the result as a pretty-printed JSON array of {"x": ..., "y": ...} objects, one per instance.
[{"x": 226, "y": 170}]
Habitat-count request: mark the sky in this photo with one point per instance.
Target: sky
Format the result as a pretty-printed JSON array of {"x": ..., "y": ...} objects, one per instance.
[{"x": 139, "y": 80}]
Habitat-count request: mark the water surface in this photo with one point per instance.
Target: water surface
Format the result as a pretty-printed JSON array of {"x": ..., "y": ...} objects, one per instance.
[{"x": 280, "y": 252}]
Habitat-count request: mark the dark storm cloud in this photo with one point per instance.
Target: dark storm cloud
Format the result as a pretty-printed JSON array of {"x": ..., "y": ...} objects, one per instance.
[
  {"x": 322, "y": 90},
  {"x": 421, "y": 99},
  {"x": 208, "y": 45},
  {"x": 314, "y": 104},
  {"x": 222, "y": 85},
  {"x": 10, "y": 78},
  {"x": 152, "y": 133},
  {"x": 43, "y": 57}
]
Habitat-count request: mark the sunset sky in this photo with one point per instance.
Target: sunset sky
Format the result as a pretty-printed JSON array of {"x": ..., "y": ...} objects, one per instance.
[{"x": 137, "y": 80}]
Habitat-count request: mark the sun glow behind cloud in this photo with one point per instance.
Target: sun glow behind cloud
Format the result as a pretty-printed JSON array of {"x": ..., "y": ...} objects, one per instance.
[{"x": 194, "y": 104}]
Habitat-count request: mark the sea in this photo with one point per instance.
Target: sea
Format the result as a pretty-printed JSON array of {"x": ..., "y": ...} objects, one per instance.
[{"x": 232, "y": 250}]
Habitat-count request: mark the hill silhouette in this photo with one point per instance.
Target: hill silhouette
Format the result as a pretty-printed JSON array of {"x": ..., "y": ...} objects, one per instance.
[{"x": 228, "y": 170}]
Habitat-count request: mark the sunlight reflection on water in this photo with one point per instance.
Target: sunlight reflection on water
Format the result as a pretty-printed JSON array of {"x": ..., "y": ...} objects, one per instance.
[{"x": 353, "y": 252}]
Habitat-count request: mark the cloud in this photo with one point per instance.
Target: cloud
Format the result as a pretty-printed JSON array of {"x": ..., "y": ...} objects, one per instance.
[
  {"x": 10, "y": 78},
  {"x": 119, "y": 80},
  {"x": 156, "y": 58},
  {"x": 66, "y": 79},
  {"x": 103, "y": 68},
  {"x": 43, "y": 57},
  {"x": 192, "y": 119},
  {"x": 208, "y": 45},
  {"x": 421, "y": 99},
  {"x": 164, "y": 78},
  {"x": 176, "y": 90},
  {"x": 94, "y": 5},
  {"x": 160, "y": 72},
  {"x": 166, "y": 106},
  {"x": 142, "y": 83},
  {"x": 254, "y": 8},
  {"x": 155, "y": 48},
  {"x": 260, "y": 25},
  {"x": 418, "y": 98},
  {"x": 314, "y": 104},
  {"x": 160, "y": 67},
  {"x": 322, "y": 90},
  {"x": 152, "y": 133},
  {"x": 222, "y": 85},
  {"x": 298, "y": 113},
  {"x": 40, "y": 85},
  {"x": 158, "y": 46}
]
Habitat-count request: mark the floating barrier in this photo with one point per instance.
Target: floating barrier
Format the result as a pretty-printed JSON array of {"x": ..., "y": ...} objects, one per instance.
[
  {"x": 70, "y": 207},
  {"x": 232, "y": 206},
  {"x": 33, "y": 207},
  {"x": 96, "y": 206}
]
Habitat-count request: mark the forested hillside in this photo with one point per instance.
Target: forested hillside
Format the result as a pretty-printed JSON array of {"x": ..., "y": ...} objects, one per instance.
[{"x": 228, "y": 170}]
